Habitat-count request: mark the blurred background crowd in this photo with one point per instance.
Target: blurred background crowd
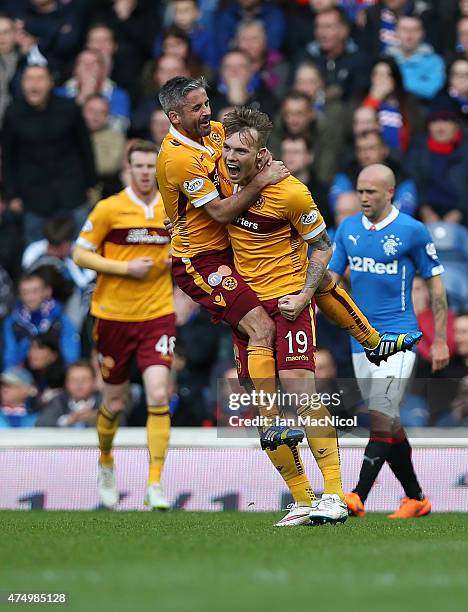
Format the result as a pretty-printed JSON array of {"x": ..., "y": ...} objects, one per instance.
[{"x": 347, "y": 83}]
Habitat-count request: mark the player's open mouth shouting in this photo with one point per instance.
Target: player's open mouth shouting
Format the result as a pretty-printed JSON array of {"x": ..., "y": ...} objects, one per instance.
[{"x": 233, "y": 170}]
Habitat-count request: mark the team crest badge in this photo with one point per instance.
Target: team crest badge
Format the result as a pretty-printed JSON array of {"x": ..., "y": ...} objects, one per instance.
[
  {"x": 390, "y": 244},
  {"x": 259, "y": 202},
  {"x": 216, "y": 138},
  {"x": 229, "y": 283}
]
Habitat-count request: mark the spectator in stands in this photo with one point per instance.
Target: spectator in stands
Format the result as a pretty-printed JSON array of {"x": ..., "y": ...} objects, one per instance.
[
  {"x": 108, "y": 146},
  {"x": 176, "y": 42},
  {"x": 438, "y": 163},
  {"x": 364, "y": 119},
  {"x": 47, "y": 161},
  {"x": 56, "y": 27},
  {"x": 77, "y": 405},
  {"x": 370, "y": 148},
  {"x": 7, "y": 294},
  {"x": 300, "y": 23},
  {"x": 299, "y": 118},
  {"x": 17, "y": 391},
  {"x": 346, "y": 205},
  {"x": 9, "y": 61},
  {"x": 457, "y": 86},
  {"x": 155, "y": 74},
  {"x": 422, "y": 69},
  {"x": 124, "y": 37},
  {"x": 239, "y": 85},
  {"x": 227, "y": 21},
  {"x": 70, "y": 283},
  {"x": 308, "y": 80},
  {"x": 297, "y": 154},
  {"x": 399, "y": 113},
  {"x": 185, "y": 15},
  {"x": 379, "y": 32},
  {"x": 343, "y": 66},
  {"x": 45, "y": 362},
  {"x": 90, "y": 78},
  {"x": 251, "y": 38},
  {"x": 159, "y": 126},
  {"x": 37, "y": 313}
]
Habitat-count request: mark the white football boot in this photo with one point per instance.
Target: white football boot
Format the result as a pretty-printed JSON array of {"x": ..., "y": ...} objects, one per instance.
[
  {"x": 155, "y": 498},
  {"x": 328, "y": 509},
  {"x": 297, "y": 515},
  {"x": 107, "y": 487}
]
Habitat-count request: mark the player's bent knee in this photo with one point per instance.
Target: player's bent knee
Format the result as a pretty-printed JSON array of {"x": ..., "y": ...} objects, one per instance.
[{"x": 258, "y": 326}]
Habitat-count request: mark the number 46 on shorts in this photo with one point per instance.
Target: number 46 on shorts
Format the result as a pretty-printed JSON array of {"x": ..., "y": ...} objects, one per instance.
[{"x": 165, "y": 345}]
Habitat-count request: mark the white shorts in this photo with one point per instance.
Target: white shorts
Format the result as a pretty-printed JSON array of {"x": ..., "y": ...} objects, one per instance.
[{"x": 382, "y": 387}]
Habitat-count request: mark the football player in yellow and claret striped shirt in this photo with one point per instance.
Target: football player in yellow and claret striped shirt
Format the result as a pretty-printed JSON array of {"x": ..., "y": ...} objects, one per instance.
[{"x": 125, "y": 242}]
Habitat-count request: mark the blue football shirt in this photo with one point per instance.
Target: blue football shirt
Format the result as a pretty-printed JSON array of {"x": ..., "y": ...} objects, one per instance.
[{"x": 383, "y": 259}]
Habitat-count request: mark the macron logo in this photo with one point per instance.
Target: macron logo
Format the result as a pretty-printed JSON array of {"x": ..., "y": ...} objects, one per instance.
[{"x": 368, "y": 264}]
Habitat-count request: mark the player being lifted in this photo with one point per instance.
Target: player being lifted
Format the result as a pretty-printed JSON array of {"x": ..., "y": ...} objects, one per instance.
[
  {"x": 125, "y": 242},
  {"x": 202, "y": 262},
  {"x": 270, "y": 243},
  {"x": 384, "y": 248}
]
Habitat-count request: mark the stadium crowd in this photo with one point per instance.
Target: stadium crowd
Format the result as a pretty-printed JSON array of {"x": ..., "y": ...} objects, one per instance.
[{"x": 348, "y": 83}]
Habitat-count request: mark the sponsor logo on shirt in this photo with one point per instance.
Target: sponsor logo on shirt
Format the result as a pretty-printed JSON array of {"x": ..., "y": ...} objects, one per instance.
[
  {"x": 368, "y": 264},
  {"x": 143, "y": 236},
  {"x": 194, "y": 185},
  {"x": 309, "y": 218}
]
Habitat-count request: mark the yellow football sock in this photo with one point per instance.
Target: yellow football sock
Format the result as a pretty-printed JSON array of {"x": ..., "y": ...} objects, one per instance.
[
  {"x": 262, "y": 372},
  {"x": 158, "y": 429},
  {"x": 107, "y": 424},
  {"x": 323, "y": 443},
  {"x": 289, "y": 464},
  {"x": 338, "y": 306}
]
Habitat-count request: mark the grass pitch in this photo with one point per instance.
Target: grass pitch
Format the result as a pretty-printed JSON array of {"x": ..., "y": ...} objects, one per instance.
[{"x": 231, "y": 562}]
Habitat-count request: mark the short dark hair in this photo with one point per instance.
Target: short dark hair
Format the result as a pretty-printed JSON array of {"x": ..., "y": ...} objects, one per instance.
[
  {"x": 368, "y": 133},
  {"x": 82, "y": 363},
  {"x": 338, "y": 10},
  {"x": 59, "y": 229},
  {"x": 295, "y": 137},
  {"x": 31, "y": 275},
  {"x": 297, "y": 95},
  {"x": 244, "y": 119},
  {"x": 98, "y": 25},
  {"x": 96, "y": 96},
  {"x": 142, "y": 146},
  {"x": 173, "y": 93}
]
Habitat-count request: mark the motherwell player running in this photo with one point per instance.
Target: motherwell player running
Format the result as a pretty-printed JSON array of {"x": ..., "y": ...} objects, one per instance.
[{"x": 125, "y": 242}]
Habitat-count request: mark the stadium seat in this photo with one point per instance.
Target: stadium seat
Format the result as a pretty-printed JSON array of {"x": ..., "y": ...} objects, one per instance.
[{"x": 451, "y": 241}]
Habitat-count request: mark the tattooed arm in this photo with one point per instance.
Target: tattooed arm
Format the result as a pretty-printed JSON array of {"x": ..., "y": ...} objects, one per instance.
[
  {"x": 291, "y": 306},
  {"x": 439, "y": 349}
]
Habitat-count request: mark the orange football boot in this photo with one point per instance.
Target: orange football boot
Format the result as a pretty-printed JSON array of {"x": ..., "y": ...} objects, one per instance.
[
  {"x": 355, "y": 505},
  {"x": 412, "y": 508}
]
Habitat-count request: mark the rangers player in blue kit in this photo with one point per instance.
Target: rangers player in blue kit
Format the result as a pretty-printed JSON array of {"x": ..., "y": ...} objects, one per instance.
[{"x": 384, "y": 249}]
